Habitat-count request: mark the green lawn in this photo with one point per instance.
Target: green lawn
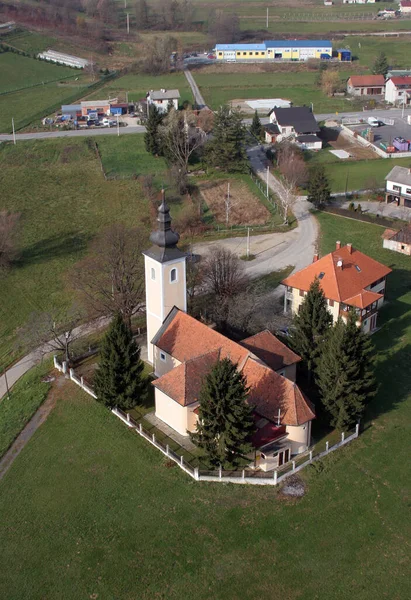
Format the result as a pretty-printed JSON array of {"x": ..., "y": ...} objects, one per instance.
[
  {"x": 25, "y": 398},
  {"x": 64, "y": 201},
  {"x": 95, "y": 503},
  {"x": 355, "y": 175},
  {"x": 137, "y": 86},
  {"x": 299, "y": 87},
  {"x": 125, "y": 156},
  {"x": 30, "y": 41},
  {"x": 20, "y": 71}
]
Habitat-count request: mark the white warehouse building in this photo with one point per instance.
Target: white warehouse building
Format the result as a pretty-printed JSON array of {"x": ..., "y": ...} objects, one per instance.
[{"x": 64, "y": 59}]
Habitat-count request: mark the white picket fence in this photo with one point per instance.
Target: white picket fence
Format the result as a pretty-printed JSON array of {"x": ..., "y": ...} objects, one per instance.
[
  {"x": 248, "y": 476},
  {"x": 62, "y": 367}
]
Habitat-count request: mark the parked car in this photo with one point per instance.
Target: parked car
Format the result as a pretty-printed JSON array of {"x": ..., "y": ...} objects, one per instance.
[
  {"x": 373, "y": 122},
  {"x": 92, "y": 122},
  {"x": 108, "y": 123}
]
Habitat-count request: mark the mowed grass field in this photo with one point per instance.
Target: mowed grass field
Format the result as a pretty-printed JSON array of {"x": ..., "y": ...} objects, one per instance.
[
  {"x": 137, "y": 86},
  {"x": 221, "y": 87},
  {"x": 355, "y": 174},
  {"x": 20, "y": 71},
  {"x": 64, "y": 200},
  {"x": 91, "y": 500}
]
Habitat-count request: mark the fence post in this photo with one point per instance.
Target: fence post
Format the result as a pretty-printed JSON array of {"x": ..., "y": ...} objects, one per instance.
[
  {"x": 71, "y": 373},
  {"x": 275, "y": 477},
  {"x": 243, "y": 475},
  {"x": 140, "y": 427},
  {"x": 196, "y": 475},
  {"x": 128, "y": 417},
  {"x": 55, "y": 362},
  {"x": 342, "y": 436},
  {"x": 326, "y": 446},
  {"x": 167, "y": 450},
  {"x": 64, "y": 366},
  {"x": 220, "y": 473},
  {"x": 357, "y": 430},
  {"x": 181, "y": 460},
  {"x": 293, "y": 465},
  {"x": 311, "y": 455}
]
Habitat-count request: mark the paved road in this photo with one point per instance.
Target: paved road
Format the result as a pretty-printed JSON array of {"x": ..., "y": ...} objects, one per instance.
[
  {"x": 198, "y": 98},
  {"x": 34, "y": 358},
  {"x": 45, "y": 135},
  {"x": 274, "y": 251}
]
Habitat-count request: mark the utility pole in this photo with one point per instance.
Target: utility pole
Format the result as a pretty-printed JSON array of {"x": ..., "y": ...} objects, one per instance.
[
  {"x": 403, "y": 106},
  {"x": 248, "y": 242},
  {"x": 268, "y": 171},
  {"x": 14, "y": 133},
  {"x": 128, "y": 23},
  {"x": 267, "y": 17},
  {"x": 118, "y": 126}
]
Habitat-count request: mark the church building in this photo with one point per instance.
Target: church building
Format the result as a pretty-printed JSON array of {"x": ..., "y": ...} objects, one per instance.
[{"x": 183, "y": 350}]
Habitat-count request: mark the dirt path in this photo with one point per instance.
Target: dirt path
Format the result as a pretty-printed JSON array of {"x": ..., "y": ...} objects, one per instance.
[{"x": 38, "y": 418}]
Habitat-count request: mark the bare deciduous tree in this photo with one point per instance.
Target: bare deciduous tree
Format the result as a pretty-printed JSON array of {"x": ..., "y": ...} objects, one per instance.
[
  {"x": 8, "y": 233},
  {"x": 224, "y": 274},
  {"x": 180, "y": 137},
  {"x": 205, "y": 120},
  {"x": 194, "y": 280},
  {"x": 294, "y": 172},
  {"x": 157, "y": 55},
  {"x": 111, "y": 279},
  {"x": 52, "y": 331},
  {"x": 330, "y": 82}
]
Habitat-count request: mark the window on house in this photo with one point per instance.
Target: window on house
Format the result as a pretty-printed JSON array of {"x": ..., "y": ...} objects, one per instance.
[
  {"x": 301, "y": 292},
  {"x": 153, "y": 273},
  {"x": 396, "y": 188},
  {"x": 162, "y": 356},
  {"x": 173, "y": 275},
  {"x": 244, "y": 53},
  {"x": 257, "y": 53},
  {"x": 220, "y": 54},
  {"x": 402, "y": 247},
  {"x": 408, "y": 191}
]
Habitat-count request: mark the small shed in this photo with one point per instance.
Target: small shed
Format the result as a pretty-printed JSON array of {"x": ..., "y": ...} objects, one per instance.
[
  {"x": 398, "y": 241},
  {"x": 344, "y": 55},
  {"x": 118, "y": 109}
]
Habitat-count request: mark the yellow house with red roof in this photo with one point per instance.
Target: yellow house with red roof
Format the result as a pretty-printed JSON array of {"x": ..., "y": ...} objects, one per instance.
[
  {"x": 183, "y": 350},
  {"x": 348, "y": 278}
]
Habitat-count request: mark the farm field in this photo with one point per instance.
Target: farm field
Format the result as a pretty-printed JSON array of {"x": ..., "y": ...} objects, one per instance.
[
  {"x": 355, "y": 174},
  {"x": 64, "y": 200},
  {"x": 102, "y": 511},
  {"x": 138, "y": 85},
  {"x": 299, "y": 87},
  {"x": 20, "y": 71},
  {"x": 298, "y": 26}
]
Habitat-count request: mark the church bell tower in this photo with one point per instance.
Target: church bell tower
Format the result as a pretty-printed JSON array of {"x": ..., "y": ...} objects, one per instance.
[{"x": 165, "y": 275}]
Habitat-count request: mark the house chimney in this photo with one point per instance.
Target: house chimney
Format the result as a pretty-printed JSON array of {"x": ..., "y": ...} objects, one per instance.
[
  {"x": 337, "y": 245},
  {"x": 349, "y": 248},
  {"x": 315, "y": 258}
]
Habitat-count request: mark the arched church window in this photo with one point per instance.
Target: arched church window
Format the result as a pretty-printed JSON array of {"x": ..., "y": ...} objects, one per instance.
[
  {"x": 153, "y": 273},
  {"x": 173, "y": 275}
]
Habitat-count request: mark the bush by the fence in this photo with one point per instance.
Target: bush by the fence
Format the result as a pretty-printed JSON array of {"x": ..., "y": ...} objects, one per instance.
[{"x": 352, "y": 214}]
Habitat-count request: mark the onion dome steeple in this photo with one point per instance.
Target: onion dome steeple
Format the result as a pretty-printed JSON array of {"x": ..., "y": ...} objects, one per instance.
[
  {"x": 164, "y": 239},
  {"x": 164, "y": 236}
]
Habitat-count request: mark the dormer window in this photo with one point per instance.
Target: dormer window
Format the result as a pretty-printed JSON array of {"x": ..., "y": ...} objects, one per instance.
[{"x": 173, "y": 275}]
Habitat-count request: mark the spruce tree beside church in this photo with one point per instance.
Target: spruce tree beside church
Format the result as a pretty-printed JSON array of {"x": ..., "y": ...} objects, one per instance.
[
  {"x": 344, "y": 375},
  {"x": 310, "y": 326},
  {"x": 151, "y": 137},
  {"x": 118, "y": 380},
  {"x": 225, "y": 420}
]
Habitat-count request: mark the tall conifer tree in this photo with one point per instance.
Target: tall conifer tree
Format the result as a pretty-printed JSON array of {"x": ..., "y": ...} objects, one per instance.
[
  {"x": 151, "y": 136},
  {"x": 118, "y": 380},
  {"x": 310, "y": 326},
  {"x": 318, "y": 188},
  {"x": 256, "y": 127},
  {"x": 344, "y": 375},
  {"x": 225, "y": 422},
  {"x": 227, "y": 147}
]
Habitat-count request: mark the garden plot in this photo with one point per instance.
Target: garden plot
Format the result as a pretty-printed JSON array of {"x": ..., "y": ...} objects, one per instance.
[{"x": 244, "y": 207}]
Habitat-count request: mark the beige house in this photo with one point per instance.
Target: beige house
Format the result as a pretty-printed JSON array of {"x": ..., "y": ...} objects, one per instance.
[
  {"x": 183, "y": 350},
  {"x": 348, "y": 278}
]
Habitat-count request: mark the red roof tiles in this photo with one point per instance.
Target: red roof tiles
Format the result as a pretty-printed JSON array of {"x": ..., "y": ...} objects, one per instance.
[
  {"x": 401, "y": 80},
  {"x": 343, "y": 274},
  {"x": 270, "y": 350},
  {"x": 367, "y": 80}
]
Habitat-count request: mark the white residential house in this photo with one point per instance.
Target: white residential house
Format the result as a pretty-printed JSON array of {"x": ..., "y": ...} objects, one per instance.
[
  {"x": 162, "y": 98},
  {"x": 296, "y": 124},
  {"x": 405, "y": 6},
  {"x": 398, "y": 90},
  {"x": 398, "y": 186}
]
